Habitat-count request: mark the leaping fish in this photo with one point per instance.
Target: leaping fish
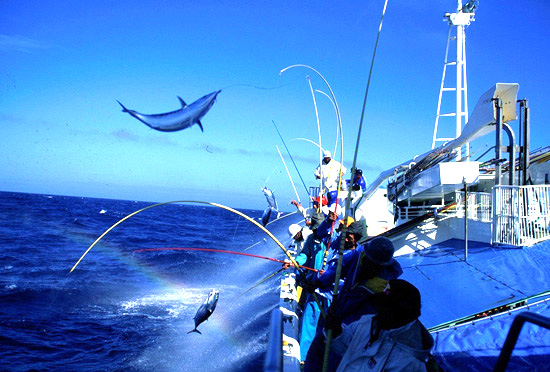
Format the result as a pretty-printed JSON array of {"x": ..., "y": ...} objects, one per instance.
[
  {"x": 206, "y": 309},
  {"x": 272, "y": 205},
  {"x": 179, "y": 119},
  {"x": 270, "y": 197}
]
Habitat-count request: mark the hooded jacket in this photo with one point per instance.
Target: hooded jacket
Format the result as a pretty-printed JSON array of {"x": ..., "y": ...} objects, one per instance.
[{"x": 406, "y": 348}]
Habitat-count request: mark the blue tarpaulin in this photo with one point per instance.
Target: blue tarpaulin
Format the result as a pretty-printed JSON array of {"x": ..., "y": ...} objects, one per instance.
[{"x": 454, "y": 288}]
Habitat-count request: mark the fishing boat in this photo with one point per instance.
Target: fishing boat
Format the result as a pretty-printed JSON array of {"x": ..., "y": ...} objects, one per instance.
[{"x": 471, "y": 233}]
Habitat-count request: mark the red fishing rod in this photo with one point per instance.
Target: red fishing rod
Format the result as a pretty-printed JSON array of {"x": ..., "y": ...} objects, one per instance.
[{"x": 218, "y": 251}]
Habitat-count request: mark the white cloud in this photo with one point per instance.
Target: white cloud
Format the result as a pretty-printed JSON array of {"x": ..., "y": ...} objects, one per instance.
[{"x": 20, "y": 44}]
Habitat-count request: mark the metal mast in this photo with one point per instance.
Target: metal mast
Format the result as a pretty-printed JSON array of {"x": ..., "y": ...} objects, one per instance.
[{"x": 459, "y": 20}]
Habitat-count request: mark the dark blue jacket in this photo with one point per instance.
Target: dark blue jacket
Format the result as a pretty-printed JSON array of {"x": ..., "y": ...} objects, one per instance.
[{"x": 351, "y": 262}]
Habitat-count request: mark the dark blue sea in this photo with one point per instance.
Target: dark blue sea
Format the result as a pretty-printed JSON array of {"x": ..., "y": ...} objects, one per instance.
[{"x": 122, "y": 310}]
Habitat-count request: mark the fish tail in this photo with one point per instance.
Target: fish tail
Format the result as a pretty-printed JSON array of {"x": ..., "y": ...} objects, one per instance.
[
  {"x": 195, "y": 330},
  {"x": 124, "y": 109}
]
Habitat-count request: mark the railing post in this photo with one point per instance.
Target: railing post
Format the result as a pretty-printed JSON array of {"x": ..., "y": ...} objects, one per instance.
[
  {"x": 465, "y": 219},
  {"x": 498, "y": 148},
  {"x": 512, "y": 154},
  {"x": 524, "y": 109},
  {"x": 494, "y": 225},
  {"x": 274, "y": 355}
]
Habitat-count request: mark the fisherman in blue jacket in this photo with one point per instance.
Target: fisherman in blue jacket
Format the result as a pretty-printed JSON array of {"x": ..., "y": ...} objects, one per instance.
[
  {"x": 359, "y": 183},
  {"x": 378, "y": 251},
  {"x": 312, "y": 255}
]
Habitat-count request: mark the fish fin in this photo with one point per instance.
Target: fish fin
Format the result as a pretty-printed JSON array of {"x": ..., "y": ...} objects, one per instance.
[
  {"x": 200, "y": 125},
  {"x": 124, "y": 109},
  {"x": 195, "y": 330},
  {"x": 183, "y": 104}
]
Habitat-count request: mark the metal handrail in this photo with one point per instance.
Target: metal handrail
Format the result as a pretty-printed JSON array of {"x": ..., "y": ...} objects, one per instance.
[
  {"x": 513, "y": 334},
  {"x": 274, "y": 355}
]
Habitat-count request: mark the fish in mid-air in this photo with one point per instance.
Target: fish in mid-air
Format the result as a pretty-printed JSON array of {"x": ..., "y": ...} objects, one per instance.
[
  {"x": 272, "y": 205},
  {"x": 179, "y": 119},
  {"x": 270, "y": 197},
  {"x": 206, "y": 309}
]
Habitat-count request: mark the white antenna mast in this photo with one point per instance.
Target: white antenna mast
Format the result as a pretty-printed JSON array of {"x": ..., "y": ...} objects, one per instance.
[{"x": 459, "y": 20}]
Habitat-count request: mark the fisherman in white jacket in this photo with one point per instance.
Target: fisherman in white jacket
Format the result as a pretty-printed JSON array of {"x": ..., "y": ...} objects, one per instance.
[
  {"x": 329, "y": 171},
  {"x": 393, "y": 340}
]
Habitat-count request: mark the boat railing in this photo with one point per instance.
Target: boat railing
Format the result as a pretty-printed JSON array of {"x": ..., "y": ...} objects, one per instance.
[
  {"x": 521, "y": 214},
  {"x": 479, "y": 206},
  {"x": 408, "y": 213},
  {"x": 513, "y": 335}
]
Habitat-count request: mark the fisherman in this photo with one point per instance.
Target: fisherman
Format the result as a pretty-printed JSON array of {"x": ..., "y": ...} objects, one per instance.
[
  {"x": 326, "y": 226},
  {"x": 359, "y": 183},
  {"x": 370, "y": 277},
  {"x": 351, "y": 242},
  {"x": 311, "y": 255},
  {"x": 299, "y": 234},
  {"x": 391, "y": 340},
  {"x": 309, "y": 212},
  {"x": 354, "y": 233},
  {"x": 330, "y": 171},
  {"x": 357, "y": 190},
  {"x": 356, "y": 263}
]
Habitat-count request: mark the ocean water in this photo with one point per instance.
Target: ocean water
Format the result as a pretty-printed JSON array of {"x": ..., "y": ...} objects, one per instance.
[{"x": 122, "y": 310}]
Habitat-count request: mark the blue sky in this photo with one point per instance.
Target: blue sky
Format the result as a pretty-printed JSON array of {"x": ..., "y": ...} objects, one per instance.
[{"x": 64, "y": 65}]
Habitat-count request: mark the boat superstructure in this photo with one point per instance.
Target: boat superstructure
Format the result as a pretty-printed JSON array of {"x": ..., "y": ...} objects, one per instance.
[{"x": 473, "y": 234}]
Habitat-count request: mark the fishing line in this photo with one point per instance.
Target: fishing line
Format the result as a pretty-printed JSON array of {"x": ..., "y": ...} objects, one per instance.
[
  {"x": 293, "y": 162},
  {"x": 216, "y": 251},
  {"x": 257, "y": 87},
  {"x": 255, "y": 244},
  {"x": 260, "y": 282},
  {"x": 348, "y": 199},
  {"x": 273, "y": 171},
  {"x": 288, "y": 173}
]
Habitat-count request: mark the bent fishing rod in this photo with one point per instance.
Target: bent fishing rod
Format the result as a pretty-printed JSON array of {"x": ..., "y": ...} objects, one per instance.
[{"x": 255, "y": 223}]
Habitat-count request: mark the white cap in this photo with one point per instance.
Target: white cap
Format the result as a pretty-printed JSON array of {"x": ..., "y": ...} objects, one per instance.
[
  {"x": 326, "y": 154},
  {"x": 294, "y": 229},
  {"x": 338, "y": 209}
]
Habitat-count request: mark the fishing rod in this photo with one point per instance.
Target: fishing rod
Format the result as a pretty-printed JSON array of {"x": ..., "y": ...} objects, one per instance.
[
  {"x": 292, "y": 260},
  {"x": 287, "y": 172},
  {"x": 341, "y": 250},
  {"x": 189, "y": 201},
  {"x": 293, "y": 162},
  {"x": 337, "y": 126},
  {"x": 348, "y": 199},
  {"x": 307, "y": 140},
  {"x": 216, "y": 251},
  {"x": 319, "y": 132}
]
